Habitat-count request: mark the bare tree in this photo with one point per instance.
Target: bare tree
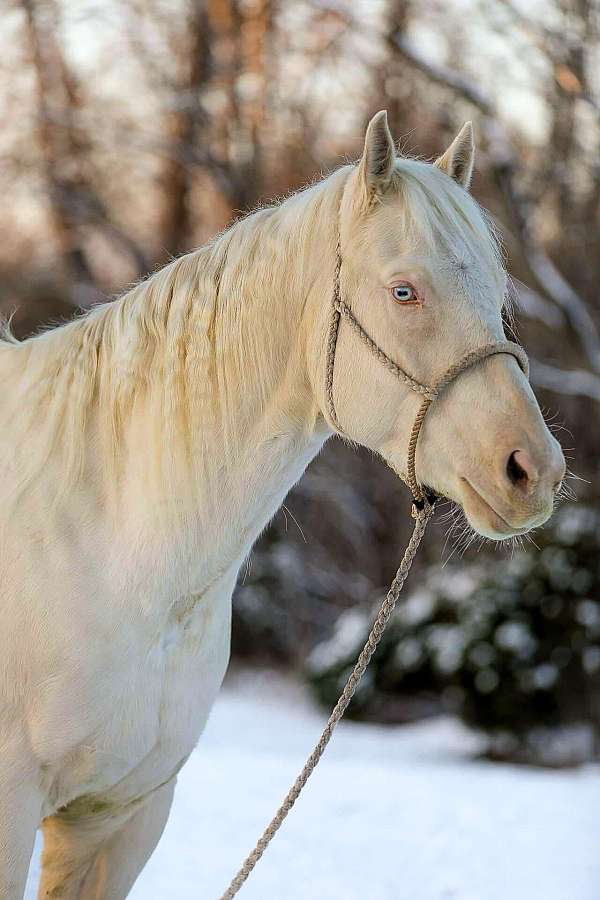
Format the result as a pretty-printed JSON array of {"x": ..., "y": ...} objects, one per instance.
[
  {"x": 65, "y": 149},
  {"x": 61, "y": 147}
]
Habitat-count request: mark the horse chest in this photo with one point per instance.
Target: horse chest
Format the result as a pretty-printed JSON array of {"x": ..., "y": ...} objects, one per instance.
[
  {"x": 154, "y": 710},
  {"x": 190, "y": 653},
  {"x": 185, "y": 663}
]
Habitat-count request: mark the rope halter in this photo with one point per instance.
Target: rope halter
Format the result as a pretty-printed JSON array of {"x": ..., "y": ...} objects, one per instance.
[{"x": 340, "y": 310}]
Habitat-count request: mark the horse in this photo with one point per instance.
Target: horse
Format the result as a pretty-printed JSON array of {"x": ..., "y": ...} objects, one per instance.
[{"x": 146, "y": 444}]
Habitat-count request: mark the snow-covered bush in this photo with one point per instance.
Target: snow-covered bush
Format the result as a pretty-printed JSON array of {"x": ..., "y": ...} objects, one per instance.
[{"x": 511, "y": 645}]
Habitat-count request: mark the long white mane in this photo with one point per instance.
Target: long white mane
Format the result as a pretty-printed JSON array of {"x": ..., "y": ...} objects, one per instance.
[{"x": 208, "y": 329}]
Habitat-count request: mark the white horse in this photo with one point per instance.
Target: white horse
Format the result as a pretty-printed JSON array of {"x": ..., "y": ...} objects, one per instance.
[{"x": 145, "y": 446}]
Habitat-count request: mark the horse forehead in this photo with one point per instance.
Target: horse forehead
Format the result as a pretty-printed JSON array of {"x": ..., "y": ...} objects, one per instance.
[
  {"x": 470, "y": 276},
  {"x": 455, "y": 263}
]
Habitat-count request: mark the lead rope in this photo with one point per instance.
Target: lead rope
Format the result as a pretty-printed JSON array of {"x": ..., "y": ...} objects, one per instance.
[
  {"x": 383, "y": 616},
  {"x": 422, "y": 510}
]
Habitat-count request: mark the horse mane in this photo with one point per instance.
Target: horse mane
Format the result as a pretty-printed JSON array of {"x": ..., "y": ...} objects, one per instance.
[
  {"x": 189, "y": 340},
  {"x": 207, "y": 328}
]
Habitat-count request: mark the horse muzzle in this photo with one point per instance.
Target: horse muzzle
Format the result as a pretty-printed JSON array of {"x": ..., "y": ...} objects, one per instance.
[{"x": 520, "y": 497}]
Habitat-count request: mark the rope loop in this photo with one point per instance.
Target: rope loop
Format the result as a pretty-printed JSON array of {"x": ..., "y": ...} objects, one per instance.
[{"x": 429, "y": 393}]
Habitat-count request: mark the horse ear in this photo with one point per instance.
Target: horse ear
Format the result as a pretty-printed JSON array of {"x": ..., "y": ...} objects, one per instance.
[
  {"x": 377, "y": 163},
  {"x": 458, "y": 160}
]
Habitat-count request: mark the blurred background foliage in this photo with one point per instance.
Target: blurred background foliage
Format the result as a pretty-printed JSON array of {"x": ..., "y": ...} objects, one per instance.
[
  {"x": 133, "y": 130},
  {"x": 513, "y": 650}
]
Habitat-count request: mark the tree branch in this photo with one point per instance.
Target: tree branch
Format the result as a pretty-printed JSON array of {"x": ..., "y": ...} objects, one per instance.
[{"x": 575, "y": 382}]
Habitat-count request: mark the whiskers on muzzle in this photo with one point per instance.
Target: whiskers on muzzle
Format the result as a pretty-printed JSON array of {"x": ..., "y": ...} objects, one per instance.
[{"x": 461, "y": 537}]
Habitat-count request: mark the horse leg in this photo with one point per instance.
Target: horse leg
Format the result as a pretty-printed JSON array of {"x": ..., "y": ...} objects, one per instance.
[
  {"x": 98, "y": 856},
  {"x": 20, "y": 812}
]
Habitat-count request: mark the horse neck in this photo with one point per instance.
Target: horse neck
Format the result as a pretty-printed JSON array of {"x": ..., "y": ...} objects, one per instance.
[
  {"x": 197, "y": 392},
  {"x": 247, "y": 402}
]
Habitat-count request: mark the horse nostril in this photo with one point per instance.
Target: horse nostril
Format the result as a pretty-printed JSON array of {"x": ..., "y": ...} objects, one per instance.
[{"x": 518, "y": 469}]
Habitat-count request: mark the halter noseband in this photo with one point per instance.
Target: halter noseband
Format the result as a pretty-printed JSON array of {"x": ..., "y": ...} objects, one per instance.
[{"x": 339, "y": 310}]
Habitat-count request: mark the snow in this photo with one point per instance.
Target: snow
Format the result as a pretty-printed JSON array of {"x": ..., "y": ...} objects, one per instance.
[{"x": 391, "y": 813}]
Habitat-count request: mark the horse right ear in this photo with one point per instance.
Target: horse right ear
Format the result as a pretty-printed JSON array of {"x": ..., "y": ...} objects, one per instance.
[{"x": 379, "y": 155}]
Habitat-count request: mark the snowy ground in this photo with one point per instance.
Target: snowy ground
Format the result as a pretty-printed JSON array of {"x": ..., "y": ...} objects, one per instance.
[{"x": 390, "y": 814}]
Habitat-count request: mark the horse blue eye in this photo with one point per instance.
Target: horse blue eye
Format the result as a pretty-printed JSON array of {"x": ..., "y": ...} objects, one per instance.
[{"x": 404, "y": 293}]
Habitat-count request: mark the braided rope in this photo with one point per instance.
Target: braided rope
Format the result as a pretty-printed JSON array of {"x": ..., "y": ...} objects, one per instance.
[
  {"x": 379, "y": 625},
  {"x": 332, "y": 335},
  {"x": 423, "y": 508},
  {"x": 411, "y": 474},
  {"x": 383, "y": 358},
  {"x": 470, "y": 359}
]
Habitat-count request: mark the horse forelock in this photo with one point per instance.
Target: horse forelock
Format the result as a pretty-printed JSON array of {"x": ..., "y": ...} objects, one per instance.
[{"x": 446, "y": 217}]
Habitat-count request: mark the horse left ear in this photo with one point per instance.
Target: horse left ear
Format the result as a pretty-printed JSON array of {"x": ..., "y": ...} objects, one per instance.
[
  {"x": 458, "y": 160},
  {"x": 377, "y": 163}
]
